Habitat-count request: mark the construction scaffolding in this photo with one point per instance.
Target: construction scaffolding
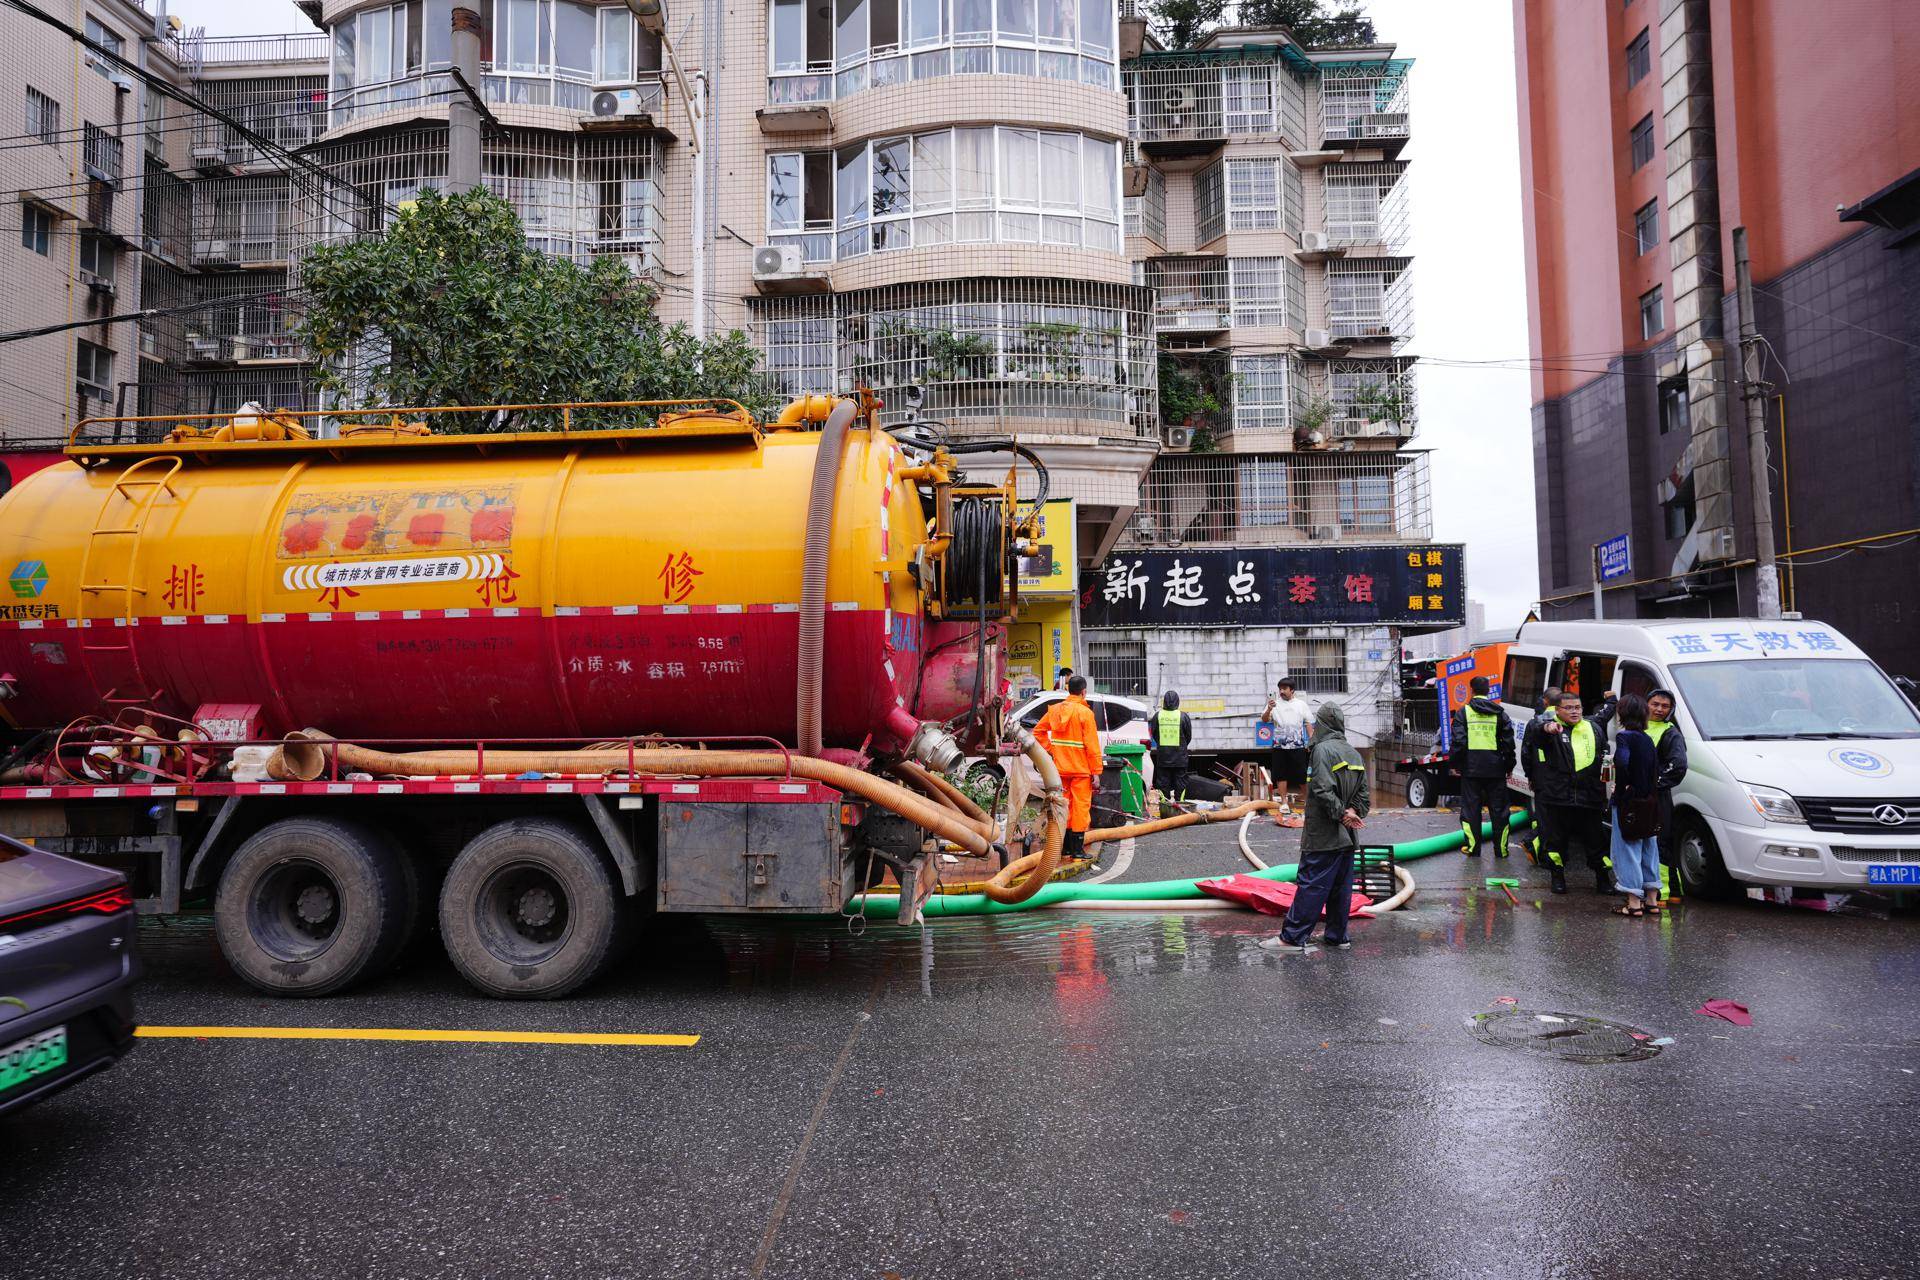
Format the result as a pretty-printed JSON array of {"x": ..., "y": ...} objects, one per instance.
[
  {"x": 1056, "y": 357},
  {"x": 1276, "y": 498}
]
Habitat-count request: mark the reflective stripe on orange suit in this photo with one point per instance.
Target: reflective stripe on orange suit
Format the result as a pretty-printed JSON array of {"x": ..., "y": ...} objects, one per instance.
[{"x": 1071, "y": 737}]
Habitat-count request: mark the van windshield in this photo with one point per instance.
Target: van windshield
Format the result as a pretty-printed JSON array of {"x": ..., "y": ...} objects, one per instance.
[{"x": 1794, "y": 698}]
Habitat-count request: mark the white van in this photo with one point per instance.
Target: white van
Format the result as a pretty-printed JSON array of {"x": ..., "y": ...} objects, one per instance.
[{"x": 1804, "y": 758}]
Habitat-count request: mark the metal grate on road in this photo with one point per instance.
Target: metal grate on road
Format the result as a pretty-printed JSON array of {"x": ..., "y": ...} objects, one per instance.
[{"x": 1570, "y": 1037}]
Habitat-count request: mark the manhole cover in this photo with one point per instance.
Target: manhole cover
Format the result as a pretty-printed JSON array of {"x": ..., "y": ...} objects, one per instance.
[{"x": 1567, "y": 1036}]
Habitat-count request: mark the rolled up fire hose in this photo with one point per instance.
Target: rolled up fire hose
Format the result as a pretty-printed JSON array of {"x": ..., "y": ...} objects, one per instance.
[
  {"x": 304, "y": 756},
  {"x": 1177, "y": 895},
  {"x": 1007, "y": 888}
]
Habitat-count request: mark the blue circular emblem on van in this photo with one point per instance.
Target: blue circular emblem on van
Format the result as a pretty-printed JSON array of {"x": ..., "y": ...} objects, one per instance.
[{"x": 1864, "y": 763}]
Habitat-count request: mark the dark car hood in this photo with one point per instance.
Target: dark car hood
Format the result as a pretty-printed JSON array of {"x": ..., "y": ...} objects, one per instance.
[{"x": 33, "y": 878}]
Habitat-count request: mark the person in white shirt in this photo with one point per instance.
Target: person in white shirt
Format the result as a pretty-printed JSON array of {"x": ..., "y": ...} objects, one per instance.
[{"x": 1292, "y": 736}]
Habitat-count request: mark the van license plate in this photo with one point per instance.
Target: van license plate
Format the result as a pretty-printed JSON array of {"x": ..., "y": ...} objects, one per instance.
[
  {"x": 1892, "y": 873},
  {"x": 23, "y": 1060}
]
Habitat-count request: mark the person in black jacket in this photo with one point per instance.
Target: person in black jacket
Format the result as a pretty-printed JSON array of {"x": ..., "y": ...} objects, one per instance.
[
  {"x": 1564, "y": 756},
  {"x": 1671, "y": 746},
  {"x": 1482, "y": 754},
  {"x": 1172, "y": 735}
]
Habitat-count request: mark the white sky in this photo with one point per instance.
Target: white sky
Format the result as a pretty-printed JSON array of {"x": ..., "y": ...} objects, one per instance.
[{"x": 1469, "y": 283}]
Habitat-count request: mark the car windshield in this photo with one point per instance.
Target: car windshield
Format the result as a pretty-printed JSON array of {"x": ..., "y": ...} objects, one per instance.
[{"x": 1794, "y": 698}]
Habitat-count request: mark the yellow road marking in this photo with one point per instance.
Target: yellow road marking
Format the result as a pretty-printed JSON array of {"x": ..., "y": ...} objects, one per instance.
[{"x": 633, "y": 1039}]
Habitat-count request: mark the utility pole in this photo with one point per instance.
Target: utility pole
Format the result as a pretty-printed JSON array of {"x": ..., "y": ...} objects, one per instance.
[
  {"x": 1753, "y": 394},
  {"x": 1593, "y": 554},
  {"x": 463, "y": 117}
]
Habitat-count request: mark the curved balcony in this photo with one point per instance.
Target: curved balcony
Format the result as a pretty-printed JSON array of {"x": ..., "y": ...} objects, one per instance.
[{"x": 1044, "y": 359}]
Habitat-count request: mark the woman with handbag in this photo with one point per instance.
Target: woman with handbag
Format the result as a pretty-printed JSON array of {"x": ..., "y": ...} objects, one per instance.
[{"x": 1636, "y": 811}]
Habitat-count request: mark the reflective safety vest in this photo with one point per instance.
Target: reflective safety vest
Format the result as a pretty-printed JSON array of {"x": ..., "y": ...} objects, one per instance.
[
  {"x": 1483, "y": 729},
  {"x": 1583, "y": 746},
  {"x": 1657, "y": 729},
  {"x": 1166, "y": 728}
]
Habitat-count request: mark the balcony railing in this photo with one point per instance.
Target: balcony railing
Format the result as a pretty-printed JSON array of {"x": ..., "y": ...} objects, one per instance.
[
  {"x": 1370, "y": 299},
  {"x": 1199, "y": 98},
  {"x": 1206, "y": 294},
  {"x": 1367, "y": 204},
  {"x": 294, "y": 46},
  {"x": 1255, "y": 499},
  {"x": 1365, "y": 102}
]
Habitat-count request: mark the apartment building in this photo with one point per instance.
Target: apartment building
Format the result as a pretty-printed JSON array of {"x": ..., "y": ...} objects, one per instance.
[
  {"x": 1650, "y": 130},
  {"x": 1283, "y": 529}
]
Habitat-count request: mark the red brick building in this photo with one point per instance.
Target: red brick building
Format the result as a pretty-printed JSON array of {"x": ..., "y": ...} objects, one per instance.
[{"x": 1650, "y": 129}]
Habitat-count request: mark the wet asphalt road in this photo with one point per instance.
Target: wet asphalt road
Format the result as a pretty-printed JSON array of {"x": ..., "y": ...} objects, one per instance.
[{"x": 1050, "y": 1095}]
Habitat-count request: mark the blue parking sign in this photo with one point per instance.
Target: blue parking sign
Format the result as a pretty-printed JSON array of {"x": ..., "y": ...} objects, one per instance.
[{"x": 1616, "y": 558}]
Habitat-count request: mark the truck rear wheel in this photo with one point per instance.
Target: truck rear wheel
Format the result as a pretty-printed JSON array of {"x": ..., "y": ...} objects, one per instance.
[
  {"x": 1421, "y": 792},
  {"x": 309, "y": 906},
  {"x": 531, "y": 910}
]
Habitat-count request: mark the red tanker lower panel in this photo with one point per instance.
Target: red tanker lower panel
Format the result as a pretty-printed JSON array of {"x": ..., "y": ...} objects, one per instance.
[{"x": 505, "y": 673}]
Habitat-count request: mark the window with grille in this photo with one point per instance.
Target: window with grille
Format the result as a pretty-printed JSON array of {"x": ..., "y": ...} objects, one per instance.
[
  {"x": 1253, "y": 194},
  {"x": 1262, "y": 393},
  {"x": 1246, "y": 97},
  {"x": 1639, "y": 58},
  {"x": 800, "y": 355},
  {"x": 43, "y": 116},
  {"x": 1210, "y": 202},
  {"x": 1259, "y": 290},
  {"x": 1118, "y": 667},
  {"x": 36, "y": 228},
  {"x": 1652, "y": 313},
  {"x": 1646, "y": 226},
  {"x": 1641, "y": 140},
  {"x": 1366, "y": 503},
  {"x": 1264, "y": 493},
  {"x": 1317, "y": 664},
  {"x": 100, "y": 153}
]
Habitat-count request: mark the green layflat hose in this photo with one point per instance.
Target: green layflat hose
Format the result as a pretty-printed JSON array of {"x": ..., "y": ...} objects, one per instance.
[{"x": 887, "y": 905}]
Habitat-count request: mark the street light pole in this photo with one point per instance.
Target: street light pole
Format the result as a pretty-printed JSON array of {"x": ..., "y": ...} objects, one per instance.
[{"x": 463, "y": 117}]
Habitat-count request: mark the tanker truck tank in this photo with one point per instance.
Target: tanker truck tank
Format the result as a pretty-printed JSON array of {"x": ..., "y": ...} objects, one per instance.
[{"x": 403, "y": 584}]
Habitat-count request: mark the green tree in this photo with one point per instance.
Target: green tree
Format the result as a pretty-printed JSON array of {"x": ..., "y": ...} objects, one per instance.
[
  {"x": 450, "y": 307},
  {"x": 1312, "y": 22},
  {"x": 1182, "y": 24}
]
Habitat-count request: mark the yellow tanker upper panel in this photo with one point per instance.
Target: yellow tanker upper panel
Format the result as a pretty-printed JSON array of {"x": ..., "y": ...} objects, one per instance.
[{"x": 280, "y": 530}]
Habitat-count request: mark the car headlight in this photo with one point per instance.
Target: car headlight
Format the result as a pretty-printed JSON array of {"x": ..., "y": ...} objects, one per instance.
[{"x": 1774, "y": 804}]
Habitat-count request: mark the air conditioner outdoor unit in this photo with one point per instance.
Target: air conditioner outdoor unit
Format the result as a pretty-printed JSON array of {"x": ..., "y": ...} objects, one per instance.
[
  {"x": 615, "y": 104},
  {"x": 772, "y": 261},
  {"x": 1318, "y": 338},
  {"x": 1313, "y": 242},
  {"x": 242, "y": 349},
  {"x": 1179, "y": 437},
  {"x": 101, "y": 288},
  {"x": 1323, "y": 533},
  {"x": 212, "y": 251},
  {"x": 203, "y": 348}
]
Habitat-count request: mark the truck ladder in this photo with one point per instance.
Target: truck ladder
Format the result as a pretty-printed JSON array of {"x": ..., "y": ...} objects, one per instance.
[{"x": 109, "y": 650}]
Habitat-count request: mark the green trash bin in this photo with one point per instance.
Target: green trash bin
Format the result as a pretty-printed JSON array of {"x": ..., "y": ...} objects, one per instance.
[{"x": 1133, "y": 778}]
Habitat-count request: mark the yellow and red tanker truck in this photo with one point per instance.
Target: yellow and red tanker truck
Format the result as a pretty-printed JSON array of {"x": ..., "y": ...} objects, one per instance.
[{"x": 543, "y": 682}]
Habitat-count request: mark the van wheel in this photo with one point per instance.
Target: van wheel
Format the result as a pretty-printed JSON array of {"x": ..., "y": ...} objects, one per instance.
[
  {"x": 309, "y": 906},
  {"x": 1420, "y": 790},
  {"x": 531, "y": 910},
  {"x": 1696, "y": 856}
]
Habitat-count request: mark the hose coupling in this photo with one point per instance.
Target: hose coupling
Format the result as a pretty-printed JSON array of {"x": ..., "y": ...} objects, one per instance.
[{"x": 927, "y": 743}]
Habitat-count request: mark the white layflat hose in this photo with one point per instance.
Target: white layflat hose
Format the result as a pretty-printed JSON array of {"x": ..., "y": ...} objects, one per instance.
[{"x": 1400, "y": 873}]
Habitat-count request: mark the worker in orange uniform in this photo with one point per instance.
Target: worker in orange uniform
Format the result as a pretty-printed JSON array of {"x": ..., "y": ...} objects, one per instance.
[{"x": 1071, "y": 737}]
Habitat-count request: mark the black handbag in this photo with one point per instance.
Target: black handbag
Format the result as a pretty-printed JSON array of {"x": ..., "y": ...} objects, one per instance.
[{"x": 1640, "y": 819}]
